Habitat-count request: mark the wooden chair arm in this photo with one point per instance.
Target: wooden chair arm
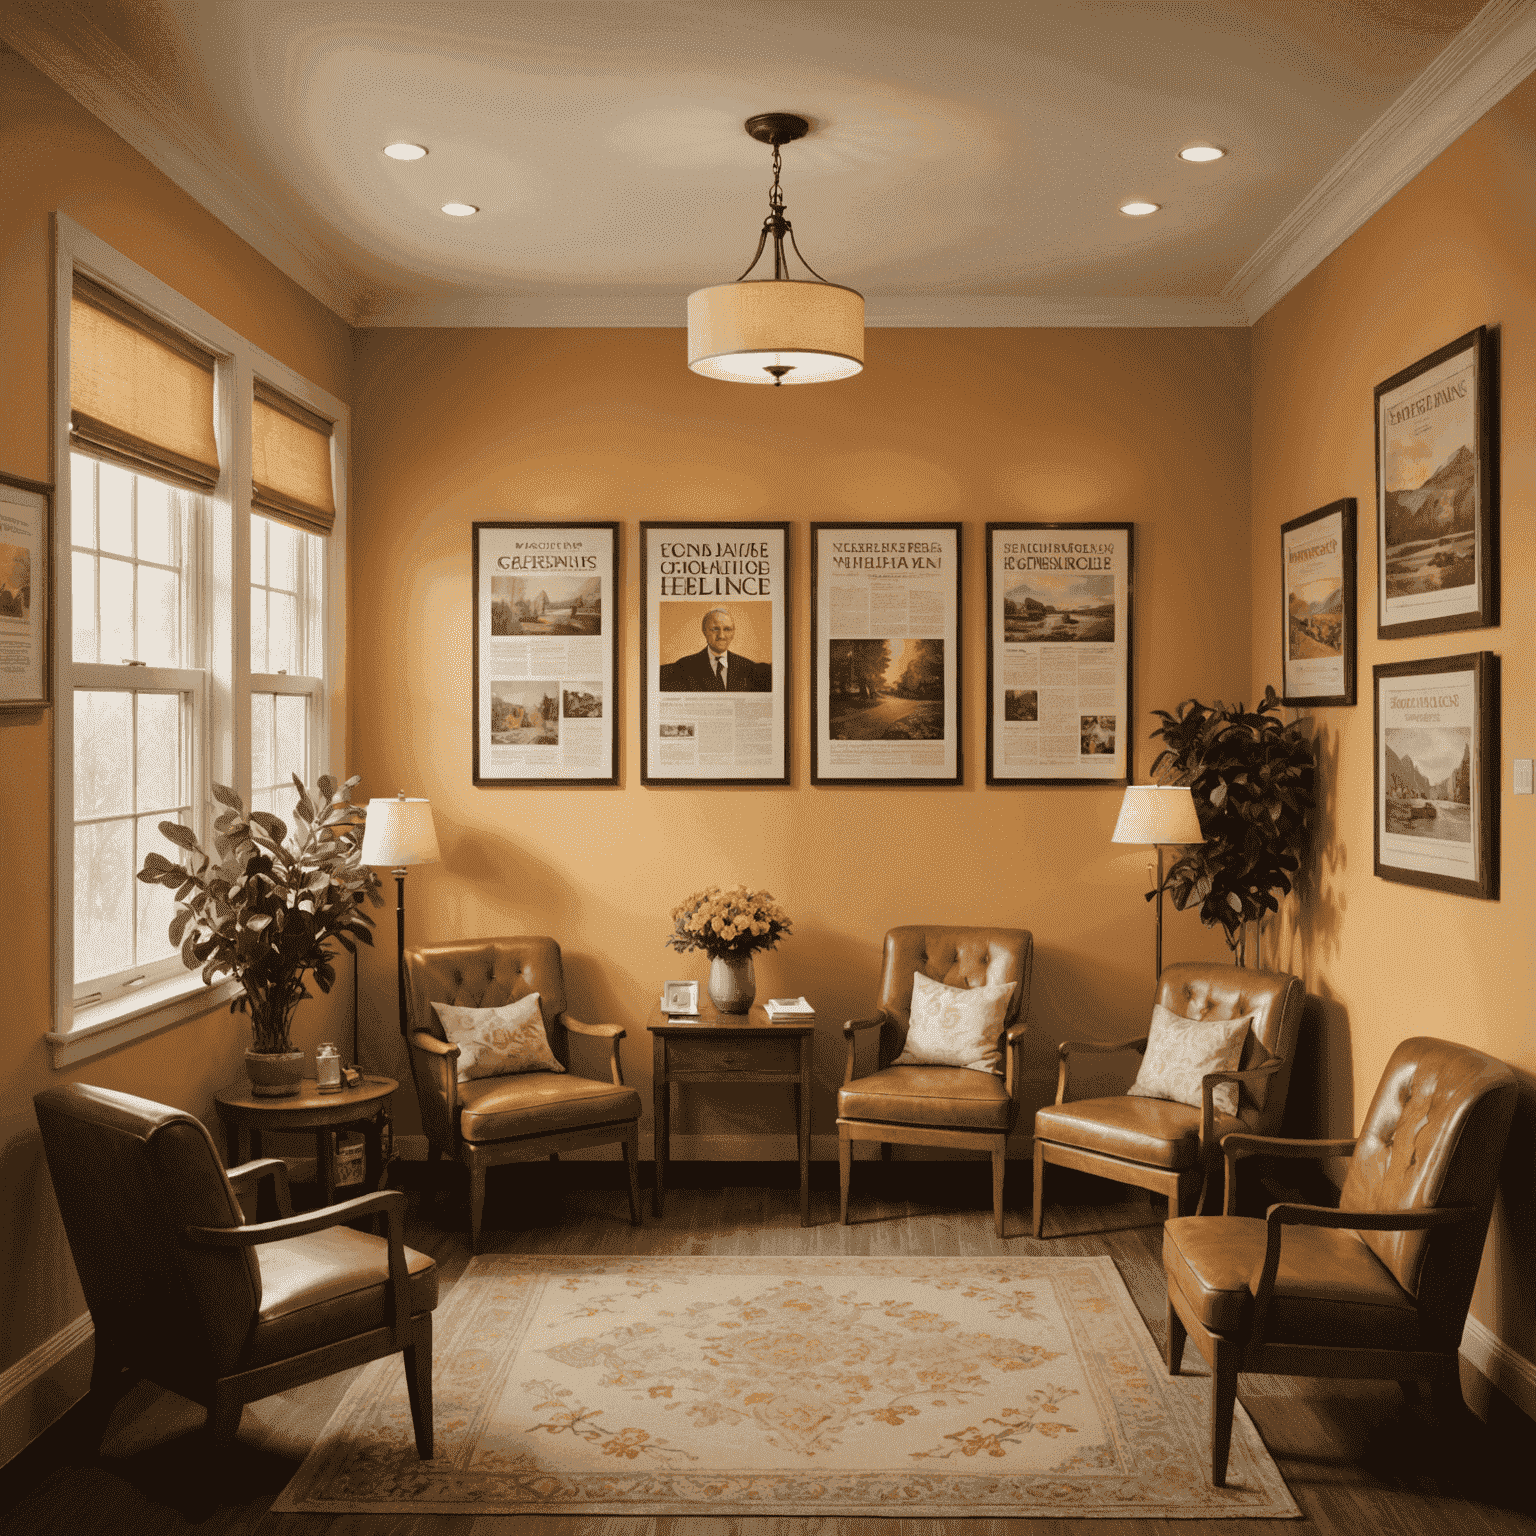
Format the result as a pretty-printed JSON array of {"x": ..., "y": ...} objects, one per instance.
[
  {"x": 1241, "y": 1144},
  {"x": 1088, "y": 1047},
  {"x": 249, "y": 1175},
  {"x": 1012, "y": 1071},
  {"x": 851, "y": 1032},
  {"x": 1208, "y": 1093},
  {"x": 422, "y": 1041},
  {"x": 1016, "y": 1034},
  {"x": 598, "y": 1031},
  {"x": 443, "y": 1063}
]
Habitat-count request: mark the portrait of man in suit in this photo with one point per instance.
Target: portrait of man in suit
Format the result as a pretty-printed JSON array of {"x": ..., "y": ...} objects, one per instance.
[{"x": 716, "y": 668}]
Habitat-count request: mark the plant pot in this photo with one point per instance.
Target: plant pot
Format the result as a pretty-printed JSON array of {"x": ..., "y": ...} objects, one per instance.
[
  {"x": 274, "y": 1076},
  {"x": 732, "y": 985}
]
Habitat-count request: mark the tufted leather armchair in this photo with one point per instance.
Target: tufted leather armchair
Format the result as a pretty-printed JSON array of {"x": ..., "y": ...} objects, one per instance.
[
  {"x": 1378, "y": 1288},
  {"x": 937, "y": 1106},
  {"x": 493, "y": 1120},
  {"x": 1173, "y": 1148},
  {"x": 184, "y": 1291}
]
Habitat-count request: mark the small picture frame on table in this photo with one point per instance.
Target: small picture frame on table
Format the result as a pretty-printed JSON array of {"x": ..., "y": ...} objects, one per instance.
[
  {"x": 1317, "y": 563},
  {"x": 680, "y": 997}
]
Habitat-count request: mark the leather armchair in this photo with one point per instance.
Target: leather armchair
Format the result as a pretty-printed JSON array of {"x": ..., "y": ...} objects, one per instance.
[
  {"x": 1378, "y": 1288},
  {"x": 494, "y": 1120},
  {"x": 1159, "y": 1145},
  {"x": 184, "y": 1291},
  {"x": 937, "y": 1106}
]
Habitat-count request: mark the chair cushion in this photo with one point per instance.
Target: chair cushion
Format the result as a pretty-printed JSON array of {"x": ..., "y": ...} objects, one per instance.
[
  {"x": 497, "y": 1042},
  {"x": 327, "y": 1286},
  {"x": 951, "y": 1097},
  {"x": 1156, "y": 1132},
  {"x": 1330, "y": 1288},
  {"x": 1181, "y": 1051},
  {"x": 956, "y": 1026},
  {"x": 538, "y": 1103}
]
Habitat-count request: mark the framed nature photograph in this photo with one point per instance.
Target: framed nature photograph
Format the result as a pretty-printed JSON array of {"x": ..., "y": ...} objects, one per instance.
[
  {"x": 24, "y": 550},
  {"x": 885, "y": 653},
  {"x": 1317, "y": 563},
  {"x": 714, "y": 653},
  {"x": 546, "y": 653},
  {"x": 1437, "y": 773},
  {"x": 1437, "y": 495},
  {"x": 1059, "y": 653}
]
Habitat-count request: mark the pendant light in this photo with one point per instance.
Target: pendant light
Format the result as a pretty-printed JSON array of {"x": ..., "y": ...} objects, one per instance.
[{"x": 778, "y": 330}]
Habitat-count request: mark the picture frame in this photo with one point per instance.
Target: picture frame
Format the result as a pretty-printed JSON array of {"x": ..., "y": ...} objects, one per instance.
[
  {"x": 1436, "y": 776},
  {"x": 546, "y": 652},
  {"x": 1059, "y": 653},
  {"x": 1437, "y": 492},
  {"x": 713, "y": 593},
  {"x": 886, "y": 674},
  {"x": 1319, "y": 600},
  {"x": 26, "y": 531},
  {"x": 680, "y": 997}
]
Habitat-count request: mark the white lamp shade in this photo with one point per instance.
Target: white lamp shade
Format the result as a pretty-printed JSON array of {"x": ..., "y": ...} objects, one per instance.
[
  {"x": 737, "y": 331},
  {"x": 1158, "y": 813},
  {"x": 399, "y": 832}
]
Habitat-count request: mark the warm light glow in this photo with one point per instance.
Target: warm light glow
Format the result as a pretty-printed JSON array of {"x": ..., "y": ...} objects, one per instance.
[
  {"x": 399, "y": 832},
  {"x": 405, "y": 151},
  {"x": 738, "y": 331},
  {"x": 1139, "y": 210},
  {"x": 1158, "y": 813},
  {"x": 1198, "y": 154},
  {"x": 460, "y": 210}
]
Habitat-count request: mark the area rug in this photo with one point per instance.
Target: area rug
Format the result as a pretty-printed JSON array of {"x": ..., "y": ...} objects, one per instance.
[{"x": 915, "y": 1387}]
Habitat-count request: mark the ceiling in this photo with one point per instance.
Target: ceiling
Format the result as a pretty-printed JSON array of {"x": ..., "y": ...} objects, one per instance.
[{"x": 965, "y": 165}]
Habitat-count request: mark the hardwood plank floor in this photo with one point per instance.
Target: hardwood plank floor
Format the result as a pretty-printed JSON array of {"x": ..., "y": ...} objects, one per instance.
[{"x": 1358, "y": 1458}]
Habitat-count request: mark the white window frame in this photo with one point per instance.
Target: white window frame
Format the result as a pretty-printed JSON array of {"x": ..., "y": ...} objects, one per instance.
[{"x": 224, "y": 753}]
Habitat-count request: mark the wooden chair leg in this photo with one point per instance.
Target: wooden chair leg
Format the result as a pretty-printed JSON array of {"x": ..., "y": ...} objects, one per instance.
[
  {"x": 844, "y": 1170},
  {"x": 476, "y": 1205},
  {"x": 110, "y": 1379},
  {"x": 1039, "y": 1186},
  {"x": 632, "y": 1166},
  {"x": 1173, "y": 1347},
  {"x": 999, "y": 1172},
  {"x": 1223, "y": 1406},
  {"x": 418, "y": 1384}
]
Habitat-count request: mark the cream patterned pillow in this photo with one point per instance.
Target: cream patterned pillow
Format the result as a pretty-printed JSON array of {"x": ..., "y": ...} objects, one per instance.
[
  {"x": 497, "y": 1042},
  {"x": 955, "y": 1026},
  {"x": 1181, "y": 1051}
]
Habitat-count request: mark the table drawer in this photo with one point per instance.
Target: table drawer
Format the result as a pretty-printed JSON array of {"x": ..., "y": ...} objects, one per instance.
[{"x": 741, "y": 1055}]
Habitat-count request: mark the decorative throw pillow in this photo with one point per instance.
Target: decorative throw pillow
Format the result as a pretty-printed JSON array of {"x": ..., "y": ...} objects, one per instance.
[
  {"x": 955, "y": 1026},
  {"x": 1181, "y": 1051},
  {"x": 497, "y": 1042}
]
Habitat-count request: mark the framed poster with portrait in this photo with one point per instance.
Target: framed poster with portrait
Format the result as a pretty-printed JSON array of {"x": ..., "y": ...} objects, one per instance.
[
  {"x": 24, "y": 555},
  {"x": 546, "y": 652},
  {"x": 885, "y": 653},
  {"x": 1437, "y": 493},
  {"x": 1317, "y": 563},
  {"x": 1059, "y": 653},
  {"x": 1437, "y": 773},
  {"x": 714, "y": 653}
]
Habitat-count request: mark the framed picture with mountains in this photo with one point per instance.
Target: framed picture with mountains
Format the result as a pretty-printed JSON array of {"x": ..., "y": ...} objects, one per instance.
[
  {"x": 1317, "y": 561},
  {"x": 1437, "y": 494}
]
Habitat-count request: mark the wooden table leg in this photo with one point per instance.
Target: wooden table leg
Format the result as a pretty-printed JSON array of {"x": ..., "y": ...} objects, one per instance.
[
  {"x": 660, "y": 1116},
  {"x": 803, "y": 1127},
  {"x": 325, "y": 1159}
]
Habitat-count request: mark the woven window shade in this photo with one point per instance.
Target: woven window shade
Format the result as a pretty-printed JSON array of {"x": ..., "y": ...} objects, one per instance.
[
  {"x": 291, "y": 462},
  {"x": 140, "y": 394}
]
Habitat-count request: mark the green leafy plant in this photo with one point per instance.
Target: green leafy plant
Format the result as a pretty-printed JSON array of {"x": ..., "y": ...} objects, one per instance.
[
  {"x": 268, "y": 908},
  {"x": 1252, "y": 780}
]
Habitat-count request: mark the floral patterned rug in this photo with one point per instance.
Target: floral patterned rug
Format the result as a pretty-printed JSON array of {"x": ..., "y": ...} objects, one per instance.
[{"x": 792, "y": 1386}]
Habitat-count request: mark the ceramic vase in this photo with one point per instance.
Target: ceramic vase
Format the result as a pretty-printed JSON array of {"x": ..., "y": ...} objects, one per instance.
[
  {"x": 274, "y": 1076},
  {"x": 732, "y": 986}
]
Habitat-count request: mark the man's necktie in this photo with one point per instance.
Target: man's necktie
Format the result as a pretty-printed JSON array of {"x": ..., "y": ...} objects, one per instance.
[{"x": 720, "y": 676}]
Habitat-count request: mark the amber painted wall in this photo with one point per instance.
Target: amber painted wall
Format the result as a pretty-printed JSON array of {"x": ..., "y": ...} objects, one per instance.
[
  {"x": 55, "y": 156},
  {"x": 1386, "y": 961}
]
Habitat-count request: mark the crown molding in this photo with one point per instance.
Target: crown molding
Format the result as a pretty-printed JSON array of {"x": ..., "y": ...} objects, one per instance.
[{"x": 1486, "y": 60}]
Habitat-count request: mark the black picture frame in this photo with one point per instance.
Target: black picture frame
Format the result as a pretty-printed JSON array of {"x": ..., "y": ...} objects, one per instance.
[
  {"x": 1439, "y": 417},
  {"x": 1309, "y": 554},
  {"x": 1416, "y": 838}
]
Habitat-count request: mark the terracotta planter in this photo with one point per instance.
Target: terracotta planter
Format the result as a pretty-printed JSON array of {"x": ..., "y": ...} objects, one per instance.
[
  {"x": 274, "y": 1076},
  {"x": 732, "y": 984}
]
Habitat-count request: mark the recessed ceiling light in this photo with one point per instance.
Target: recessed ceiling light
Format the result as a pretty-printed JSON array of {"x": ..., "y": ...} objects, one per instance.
[
  {"x": 405, "y": 151},
  {"x": 1137, "y": 210},
  {"x": 1200, "y": 153},
  {"x": 460, "y": 210}
]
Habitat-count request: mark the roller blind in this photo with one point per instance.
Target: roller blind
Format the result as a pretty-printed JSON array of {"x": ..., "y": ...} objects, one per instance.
[
  {"x": 291, "y": 462},
  {"x": 140, "y": 393}
]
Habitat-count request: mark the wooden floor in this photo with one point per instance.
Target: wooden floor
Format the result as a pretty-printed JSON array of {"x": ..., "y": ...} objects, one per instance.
[{"x": 1357, "y": 1457}]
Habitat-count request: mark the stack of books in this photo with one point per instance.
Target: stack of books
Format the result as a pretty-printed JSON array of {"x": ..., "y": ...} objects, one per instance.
[{"x": 787, "y": 1008}]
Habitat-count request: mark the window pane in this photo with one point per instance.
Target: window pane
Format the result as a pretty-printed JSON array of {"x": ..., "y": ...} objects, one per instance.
[
  {"x": 258, "y": 550},
  {"x": 116, "y": 502},
  {"x": 159, "y": 617},
  {"x": 103, "y": 899},
  {"x": 259, "y": 630},
  {"x": 157, "y": 905},
  {"x": 261, "y": 746},
  {"x": 290, "y": 753},
  {"x": 103, "y": 754},
  {"x": 156, "y": 531},
  {"x": 158, "y": 753},
  {"x": 284, "y": 557},
  {"x": 83, "y": 604},
  {"x": 116, "y": 611},
  {"x": 82, "y": 501},
  {"x": 282, "y": 633}
]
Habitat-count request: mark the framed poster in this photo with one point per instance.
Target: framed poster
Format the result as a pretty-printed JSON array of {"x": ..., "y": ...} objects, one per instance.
[
  {"x": 546, "y": 653},
  {"x": 714, "y": 653},
  {"x": 1317, "y": 564},
  {"x": 1437, "y": 495},
  {"x": 885, "y": 653},
  {"x": 1059, "y": 653},
  {"x": 1437, "y": 773},
  {"x": 24, "y": 554}
]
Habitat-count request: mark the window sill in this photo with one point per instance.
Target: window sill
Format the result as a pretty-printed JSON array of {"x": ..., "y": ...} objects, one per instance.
[{"x": 106, "y": 1026}]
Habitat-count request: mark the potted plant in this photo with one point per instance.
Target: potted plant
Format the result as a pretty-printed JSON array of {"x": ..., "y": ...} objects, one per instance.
[
  {"x": 1252, "y": 778},
  {"x": 730, "y": 927},
  {"x": 268, "y": 909}
]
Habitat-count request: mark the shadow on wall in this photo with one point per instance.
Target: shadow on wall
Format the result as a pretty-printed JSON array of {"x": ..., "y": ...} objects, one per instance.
[
  {"x": 1321, "y": 1098},
  {"x": 1318, "y": 907}
]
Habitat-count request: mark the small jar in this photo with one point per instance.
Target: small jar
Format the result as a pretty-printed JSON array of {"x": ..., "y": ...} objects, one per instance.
[{"x": 327, "y": 1068}]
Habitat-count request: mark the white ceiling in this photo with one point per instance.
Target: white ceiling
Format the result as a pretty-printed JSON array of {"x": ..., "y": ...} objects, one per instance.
[{"x": 965, "y": 165}]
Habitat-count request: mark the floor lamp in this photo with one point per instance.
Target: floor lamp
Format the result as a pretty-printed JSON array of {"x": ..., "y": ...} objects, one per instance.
[
  {"x": 1162, "y": 814},
  {"x": 399, "y": 833}
]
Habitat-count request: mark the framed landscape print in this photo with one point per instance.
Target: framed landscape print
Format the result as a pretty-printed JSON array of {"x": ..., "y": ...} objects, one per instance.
[
  {"x": 546, "y": 652},
  {"x": 1437, "y": 495},
  {"x": 1059, "y": 653},
  {"x": 24, "y": 555},
  {"x": 1437, "y": 773},
  {"x": 885, "y": 653},
  {"x": 714, "y": 653},
  {"x": 1317, "y": 562}
]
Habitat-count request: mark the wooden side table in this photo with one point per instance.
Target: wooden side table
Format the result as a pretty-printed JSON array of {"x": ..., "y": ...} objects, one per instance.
[
  {"x": 712, "y": 1047},
  {"x": 246, "y": 1118}
]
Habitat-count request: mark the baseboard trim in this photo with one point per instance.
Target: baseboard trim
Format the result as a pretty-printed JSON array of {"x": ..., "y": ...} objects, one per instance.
[
  {"x": 1506, "y": 1368},
  {"x": 41, "y": 1387},
  {"x": 778, "y": 1148}
]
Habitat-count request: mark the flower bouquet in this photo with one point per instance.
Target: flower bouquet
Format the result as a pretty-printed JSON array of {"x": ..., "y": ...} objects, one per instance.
[{"x": 730, "y": 926}]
